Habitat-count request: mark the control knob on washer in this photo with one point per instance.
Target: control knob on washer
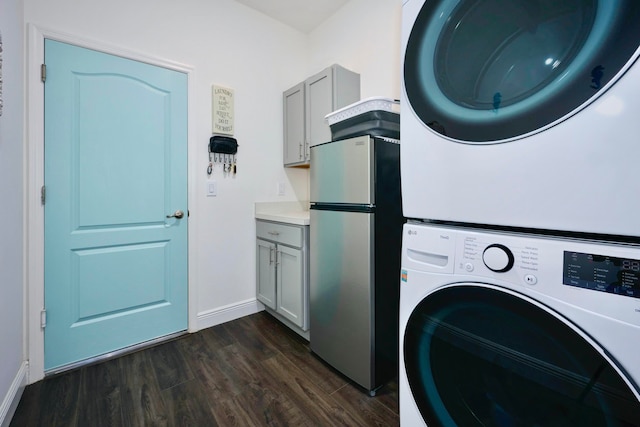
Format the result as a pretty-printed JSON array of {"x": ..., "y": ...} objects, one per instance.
[{"x": 498, "y": 258}]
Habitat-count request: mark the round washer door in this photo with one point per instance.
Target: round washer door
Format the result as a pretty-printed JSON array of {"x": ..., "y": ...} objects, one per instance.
[
  {"x": 493, "y": 70},
  {"x": 476, "y": 355}
]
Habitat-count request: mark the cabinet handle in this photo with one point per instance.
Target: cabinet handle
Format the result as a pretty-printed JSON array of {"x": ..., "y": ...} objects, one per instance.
[
  {"x": 300, "y": 150},
  {"x": 271, "y": 255},
  {"x": 274, "y": 233},
  {"x": 278, "y": 262}
]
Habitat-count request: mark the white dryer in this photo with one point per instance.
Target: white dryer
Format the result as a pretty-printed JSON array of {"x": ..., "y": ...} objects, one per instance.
[
  {"x": 522, "y": 113},
  {"x": 517, "y": 330}
]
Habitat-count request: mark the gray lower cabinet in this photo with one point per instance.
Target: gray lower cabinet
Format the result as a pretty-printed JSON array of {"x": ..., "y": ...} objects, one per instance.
[
  {"x": 306, "y": 105},
  {"x": 282, "y": 272}
]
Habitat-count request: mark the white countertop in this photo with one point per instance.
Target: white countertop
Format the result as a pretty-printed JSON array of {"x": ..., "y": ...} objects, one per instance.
[{"x": 296, "y": 213}]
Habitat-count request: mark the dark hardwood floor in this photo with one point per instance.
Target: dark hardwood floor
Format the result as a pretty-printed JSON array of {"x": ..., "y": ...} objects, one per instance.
[{"x": 249, "y": 372}]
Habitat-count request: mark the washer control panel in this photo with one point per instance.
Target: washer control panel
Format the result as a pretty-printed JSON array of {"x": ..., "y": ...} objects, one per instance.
[
  {"x": 604, "y": 273},
  {"x": 600, "y": 277},
  {"x": 487, "y": 256}
]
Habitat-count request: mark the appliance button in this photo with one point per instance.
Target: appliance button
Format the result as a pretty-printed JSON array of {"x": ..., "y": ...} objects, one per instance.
[
  {"x": 530, "y": 279},
  {"x": 498, "y": 258},
  {"x": 469, "y": 267}
]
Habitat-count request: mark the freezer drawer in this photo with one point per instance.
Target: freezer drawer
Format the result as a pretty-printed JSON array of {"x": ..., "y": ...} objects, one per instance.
[
  {"x": 341, "y": 291},
  {"x": 342, "y": 171}
]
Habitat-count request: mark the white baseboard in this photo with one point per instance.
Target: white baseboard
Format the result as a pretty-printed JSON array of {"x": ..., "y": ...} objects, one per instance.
[
  {"x": 12, "y": 398},
  {"x": 227, "y": 313}
]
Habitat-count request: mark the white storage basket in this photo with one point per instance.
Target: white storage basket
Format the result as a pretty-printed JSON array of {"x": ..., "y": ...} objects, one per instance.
[{"x": 376, "y": 103}]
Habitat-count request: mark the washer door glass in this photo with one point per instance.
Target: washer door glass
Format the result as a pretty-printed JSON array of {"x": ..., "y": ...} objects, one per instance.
[
  {"x": 478, "y": 356},
  {"x": 492, "y": 70}
]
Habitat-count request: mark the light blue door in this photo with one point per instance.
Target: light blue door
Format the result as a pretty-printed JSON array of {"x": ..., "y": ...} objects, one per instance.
[{"x": 115, "y": 168}]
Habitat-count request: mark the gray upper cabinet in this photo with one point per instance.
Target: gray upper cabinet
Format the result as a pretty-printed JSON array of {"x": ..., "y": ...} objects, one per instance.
[
  {"x": 294, "y": 137},
  {"x": 307, "y": 104}
]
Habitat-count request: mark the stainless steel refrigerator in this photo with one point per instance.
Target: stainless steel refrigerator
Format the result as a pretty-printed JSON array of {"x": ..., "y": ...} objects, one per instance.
[{"x": 355, "y": 247}]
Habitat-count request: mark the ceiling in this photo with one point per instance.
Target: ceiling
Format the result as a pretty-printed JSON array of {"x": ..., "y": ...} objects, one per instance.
[{"x": 304, "y": 15}]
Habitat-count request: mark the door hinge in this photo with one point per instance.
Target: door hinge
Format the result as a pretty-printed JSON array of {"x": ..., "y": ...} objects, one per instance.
[
  {"x": 43, "y": 73},
  {"x": 43, "y": 319},
  {"x": 43, "y": 194}
]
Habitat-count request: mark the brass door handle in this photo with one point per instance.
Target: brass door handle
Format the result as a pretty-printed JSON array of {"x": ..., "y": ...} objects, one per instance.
[{"x": 177, "y": 214}]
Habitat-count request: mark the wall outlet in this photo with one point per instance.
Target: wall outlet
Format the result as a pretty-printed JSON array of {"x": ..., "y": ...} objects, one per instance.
[{"x": 281, "y": 189}]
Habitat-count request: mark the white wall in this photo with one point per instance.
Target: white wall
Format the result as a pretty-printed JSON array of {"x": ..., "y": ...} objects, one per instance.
[
  {"x": 234, "y": 46},
  {"x": 12, "y": 369},
  {"x": 363, "y": 36}
]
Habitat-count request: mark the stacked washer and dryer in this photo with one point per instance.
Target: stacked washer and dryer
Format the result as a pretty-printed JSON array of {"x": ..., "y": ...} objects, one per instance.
[{"x": 520, "y": 163}]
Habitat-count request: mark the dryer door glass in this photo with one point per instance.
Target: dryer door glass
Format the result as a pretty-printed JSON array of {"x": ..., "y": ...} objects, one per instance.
[
  {"x": 493, "y": 70},
  {"x": 478, "y": 356}
]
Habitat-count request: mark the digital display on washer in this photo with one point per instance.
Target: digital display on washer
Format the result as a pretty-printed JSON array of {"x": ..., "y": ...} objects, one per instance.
[{"x": 602, "y": 273}]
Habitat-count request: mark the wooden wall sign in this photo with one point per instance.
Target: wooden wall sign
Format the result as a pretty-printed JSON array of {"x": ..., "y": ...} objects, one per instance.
[{"x": 222, "y": 99}]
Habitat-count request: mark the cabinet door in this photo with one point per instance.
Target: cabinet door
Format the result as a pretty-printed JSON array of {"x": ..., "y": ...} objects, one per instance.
[
  {"x": 319, "y": 103},
  {"x": 266, "y": 272},
  {"x": 294, "y": 128},
  {"x": 291, "y": 284}
]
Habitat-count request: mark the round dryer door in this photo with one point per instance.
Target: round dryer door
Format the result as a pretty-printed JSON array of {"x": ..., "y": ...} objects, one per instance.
[
  {"x": 476, "y": 355},
  {"x": 492, "y": 70}
]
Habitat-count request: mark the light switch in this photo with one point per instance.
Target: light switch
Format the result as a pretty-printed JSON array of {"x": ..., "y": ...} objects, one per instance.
[{"x": 212, "y": 188}]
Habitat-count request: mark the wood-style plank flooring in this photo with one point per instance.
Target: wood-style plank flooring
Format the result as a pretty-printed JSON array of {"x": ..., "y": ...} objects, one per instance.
[{"x": 249, "y": 372}]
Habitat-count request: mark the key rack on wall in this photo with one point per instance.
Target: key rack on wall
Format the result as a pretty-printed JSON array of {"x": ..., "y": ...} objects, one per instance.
[{"x": 223, "y": 149}]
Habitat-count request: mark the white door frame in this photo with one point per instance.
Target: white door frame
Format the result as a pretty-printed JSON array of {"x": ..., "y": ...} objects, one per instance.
[{"x": 34, "y": 180}]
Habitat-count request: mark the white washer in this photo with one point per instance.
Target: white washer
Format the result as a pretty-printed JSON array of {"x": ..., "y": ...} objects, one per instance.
[
  {"x": 517, "y": 329},
  {"x": 522, "y": 113}
]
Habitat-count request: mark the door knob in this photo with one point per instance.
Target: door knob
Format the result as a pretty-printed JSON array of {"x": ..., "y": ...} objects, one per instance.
[{"x": 177, "y": 214}]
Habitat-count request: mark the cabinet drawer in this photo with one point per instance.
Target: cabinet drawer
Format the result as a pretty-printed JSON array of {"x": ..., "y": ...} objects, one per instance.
[{"x": 280, "y": 233}]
